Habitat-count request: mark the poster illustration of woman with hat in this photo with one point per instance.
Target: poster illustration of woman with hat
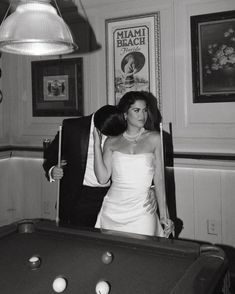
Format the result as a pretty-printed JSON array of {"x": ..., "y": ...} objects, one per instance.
[{"x": 131, "y": 64}]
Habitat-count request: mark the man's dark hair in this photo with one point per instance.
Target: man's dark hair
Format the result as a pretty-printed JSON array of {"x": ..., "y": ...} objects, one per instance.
[{"x": 109, "y": 120}]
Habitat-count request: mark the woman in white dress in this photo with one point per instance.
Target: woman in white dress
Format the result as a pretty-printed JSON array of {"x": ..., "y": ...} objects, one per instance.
[{"x": 133, "y": 161}]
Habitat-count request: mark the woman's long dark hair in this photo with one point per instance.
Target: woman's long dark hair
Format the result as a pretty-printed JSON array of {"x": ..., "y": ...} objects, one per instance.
[{"x": 154, "y": 116}]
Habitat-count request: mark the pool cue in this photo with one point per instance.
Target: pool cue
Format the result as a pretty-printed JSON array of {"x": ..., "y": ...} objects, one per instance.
[
  {"x": 163, "y": 164},
  {"x": 58, "y": 183},
  {"x": 162, "y": 157}
]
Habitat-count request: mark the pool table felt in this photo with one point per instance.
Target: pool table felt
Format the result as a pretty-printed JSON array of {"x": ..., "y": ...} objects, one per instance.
[{"x": 154, "y": 265}]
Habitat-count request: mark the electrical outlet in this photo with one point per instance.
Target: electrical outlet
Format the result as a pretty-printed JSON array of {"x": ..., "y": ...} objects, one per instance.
[{"x": 212, "y": 227}]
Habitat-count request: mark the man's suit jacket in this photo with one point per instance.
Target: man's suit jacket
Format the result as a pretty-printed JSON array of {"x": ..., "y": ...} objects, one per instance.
[{"x": 75, "y": 140}]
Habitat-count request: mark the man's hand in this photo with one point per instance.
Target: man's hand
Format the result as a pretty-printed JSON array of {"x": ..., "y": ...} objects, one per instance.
[
  {"x": 57, "y": 172},
  {"x": 151, "y": 201}
]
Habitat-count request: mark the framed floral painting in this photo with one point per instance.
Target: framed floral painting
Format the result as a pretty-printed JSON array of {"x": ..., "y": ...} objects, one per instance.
[{"x": 213, "y": 57}]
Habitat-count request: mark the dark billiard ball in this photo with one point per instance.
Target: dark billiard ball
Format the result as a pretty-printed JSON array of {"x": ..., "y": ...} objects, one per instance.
[
  {"x": 107, "y": 257},
  {"x": 34, "y": 262}
]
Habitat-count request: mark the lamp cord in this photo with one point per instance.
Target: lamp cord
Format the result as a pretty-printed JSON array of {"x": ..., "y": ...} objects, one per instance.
[
  {"x": 6, "y": 12},
  {"x": 57, "y": 7},
  {"x": 83, "y": 9}
]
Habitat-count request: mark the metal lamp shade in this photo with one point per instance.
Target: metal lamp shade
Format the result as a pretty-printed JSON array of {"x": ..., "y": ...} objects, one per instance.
[{"x": 35, "y": 28}]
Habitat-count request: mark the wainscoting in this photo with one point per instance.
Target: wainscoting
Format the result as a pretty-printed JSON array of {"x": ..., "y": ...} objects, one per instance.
[
  {"x": 205, "y": 199},
  {"x": 201, "y": 194},
  {"x": 24, "y": 190}
]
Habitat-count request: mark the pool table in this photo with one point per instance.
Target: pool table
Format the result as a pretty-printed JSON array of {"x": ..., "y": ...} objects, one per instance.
[{"x": 137, "y": 264}]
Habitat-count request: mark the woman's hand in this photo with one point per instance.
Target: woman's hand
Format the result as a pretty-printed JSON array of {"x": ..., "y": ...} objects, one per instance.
[
  {"x": 168, "y": 226},
  {"x": 97, "y": 136}
]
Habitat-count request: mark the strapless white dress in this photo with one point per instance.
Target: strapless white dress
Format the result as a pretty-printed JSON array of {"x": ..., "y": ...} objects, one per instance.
[{"x": 123, "y": 206}]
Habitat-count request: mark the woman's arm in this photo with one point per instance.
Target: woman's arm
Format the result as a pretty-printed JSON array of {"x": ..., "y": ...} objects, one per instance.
[
  {"x": 160, "y": 191},
  {"x": 159, "y": 179},
  {"x": 102, "y": 160}
]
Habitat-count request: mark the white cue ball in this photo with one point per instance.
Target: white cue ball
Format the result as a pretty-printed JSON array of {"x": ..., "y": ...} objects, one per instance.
[
  {"x": 102, "y": 287},
  {"x": 59, "y": 284}
]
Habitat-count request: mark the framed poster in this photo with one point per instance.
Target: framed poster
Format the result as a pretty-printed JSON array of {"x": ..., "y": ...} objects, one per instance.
[
  {"x": 57, "y": 87},
  {"x": 213, "y": 57},
  {"x": 133, "y": 55}
]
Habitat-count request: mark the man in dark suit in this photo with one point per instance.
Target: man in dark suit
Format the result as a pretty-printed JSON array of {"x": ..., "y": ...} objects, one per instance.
[{"x": 81, "y": 195}]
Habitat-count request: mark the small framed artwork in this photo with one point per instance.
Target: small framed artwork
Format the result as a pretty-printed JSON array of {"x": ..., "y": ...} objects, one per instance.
[
  {"x": 57, "y": 87},
  {"x": 213, "y": 57},
  {"x": 133, "y": 55}
]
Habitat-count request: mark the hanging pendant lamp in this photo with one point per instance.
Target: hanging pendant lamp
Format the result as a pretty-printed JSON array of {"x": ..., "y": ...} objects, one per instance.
[{"x": 35, "y": 28}]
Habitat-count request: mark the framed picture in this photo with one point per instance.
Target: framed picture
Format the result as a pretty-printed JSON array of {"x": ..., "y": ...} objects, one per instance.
[
  {"x": 213, "y": 57},
  {"x": 57, "y": 87},
  {"x": 133, "y": 55}
]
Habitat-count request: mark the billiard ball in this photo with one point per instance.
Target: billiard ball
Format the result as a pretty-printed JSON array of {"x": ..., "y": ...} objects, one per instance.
[
  {"x": 59, "y": 284},
  {"x": 34, "y": 262},
  {"x": 107, "y": 257},
  {"x": 102, "y": 287}
]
